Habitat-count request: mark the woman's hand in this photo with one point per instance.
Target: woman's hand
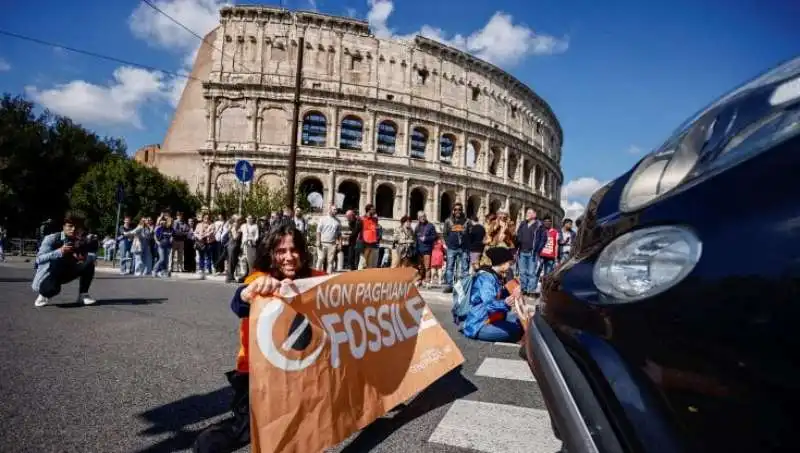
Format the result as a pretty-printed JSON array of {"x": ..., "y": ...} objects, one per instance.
[{"x": 262, "y": 286}]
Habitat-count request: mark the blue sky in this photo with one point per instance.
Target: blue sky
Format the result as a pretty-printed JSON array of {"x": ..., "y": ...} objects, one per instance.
[{"x": 621, "y": 76}]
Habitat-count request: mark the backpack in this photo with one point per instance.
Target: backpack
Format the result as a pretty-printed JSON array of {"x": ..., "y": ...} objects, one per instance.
[{"x": 461, "y": 304}]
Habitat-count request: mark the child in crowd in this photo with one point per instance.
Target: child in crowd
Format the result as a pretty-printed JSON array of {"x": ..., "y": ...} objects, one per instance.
[{"x": 437, "y": 260}]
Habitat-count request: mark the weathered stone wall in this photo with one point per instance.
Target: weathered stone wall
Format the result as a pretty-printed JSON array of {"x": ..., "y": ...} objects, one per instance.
[{"x": 405, "y": 125}]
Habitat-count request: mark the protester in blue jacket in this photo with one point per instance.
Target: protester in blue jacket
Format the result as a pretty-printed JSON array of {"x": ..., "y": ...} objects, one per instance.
[{"x": 490, "y": 317}]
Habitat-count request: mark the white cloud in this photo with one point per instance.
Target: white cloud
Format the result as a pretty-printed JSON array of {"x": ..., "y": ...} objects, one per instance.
[
  {"x": 4, "y": 66},
  {"x": 572, "y": 209},
  {"x": 575, "y": 193},
  {"x": 119, "y": 102},
  {"x": 312, "y": 5},
  {"x": 500, "y": 41},
  {"x": 200, "y": 16},
  {"x": 583, "y": 187},
  {"x": 116, "y": 104},
  {"x": 634, "y": 150}
]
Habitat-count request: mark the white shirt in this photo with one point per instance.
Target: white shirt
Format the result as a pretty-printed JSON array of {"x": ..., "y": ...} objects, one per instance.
[{"x": 249, "y": 234}]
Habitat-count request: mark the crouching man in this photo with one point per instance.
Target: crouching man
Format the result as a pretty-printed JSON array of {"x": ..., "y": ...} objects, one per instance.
[{"x": 63, "y": 257}]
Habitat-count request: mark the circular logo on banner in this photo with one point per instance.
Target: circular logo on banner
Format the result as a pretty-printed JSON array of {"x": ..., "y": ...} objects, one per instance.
[{"x": 288, "y": 341}]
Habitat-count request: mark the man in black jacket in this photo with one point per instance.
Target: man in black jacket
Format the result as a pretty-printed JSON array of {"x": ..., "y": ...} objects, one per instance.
[
  {"x": 456, "y": 232},
  {"x": 531, "y": 237}
]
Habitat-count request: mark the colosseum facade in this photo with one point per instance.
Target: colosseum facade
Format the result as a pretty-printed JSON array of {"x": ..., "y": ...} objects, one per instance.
[{"x": 407, "y": 125}]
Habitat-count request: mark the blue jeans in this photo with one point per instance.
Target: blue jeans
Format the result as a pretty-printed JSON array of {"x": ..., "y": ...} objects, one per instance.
[
  {"x": 527, "y": 271},
  {"x": 143, "y": 262},
  {"x": 546, "y": 265},
  {"x": 508, "y": 330},
  {"x": 460, "y": 257},
  {"x": 163, "y": 258},
  {"x": 206, "y": 257},
  {"x": 125, "y": 257}
]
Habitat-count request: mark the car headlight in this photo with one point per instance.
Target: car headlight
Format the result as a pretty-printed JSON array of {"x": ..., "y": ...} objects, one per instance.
[
  {"x": 646, "y": 262},
  {"x": 750, "y": 119}
]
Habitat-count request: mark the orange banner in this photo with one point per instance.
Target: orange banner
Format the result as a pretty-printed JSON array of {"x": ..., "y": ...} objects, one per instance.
[{"x": 337, "y": 353}]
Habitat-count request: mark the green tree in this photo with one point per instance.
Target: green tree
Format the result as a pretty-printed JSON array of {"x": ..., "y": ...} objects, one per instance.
[
  {"x": 147, "y": 192},
  {"x": 41, "y": 158},
  {"x": 259, "y": 200}
]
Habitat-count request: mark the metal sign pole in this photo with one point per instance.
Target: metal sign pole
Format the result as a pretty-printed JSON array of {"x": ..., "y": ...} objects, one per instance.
[
  {"x": 120, "y": 196},
  {"x": 241, "y": 196}
]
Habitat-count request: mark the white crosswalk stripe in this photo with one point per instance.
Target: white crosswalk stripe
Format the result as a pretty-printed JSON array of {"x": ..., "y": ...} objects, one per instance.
[
  {"x": 494, "y": 427},
  {"x": 488, "y": 426},
  {"x": 505, "y": 369}
]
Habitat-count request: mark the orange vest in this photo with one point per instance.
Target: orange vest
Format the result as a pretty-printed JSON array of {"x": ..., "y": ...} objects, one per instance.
[{"x": 243, "y": 358}]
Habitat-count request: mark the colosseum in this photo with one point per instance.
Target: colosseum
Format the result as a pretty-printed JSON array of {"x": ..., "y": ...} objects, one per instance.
[{"x": 407, "y": 125}]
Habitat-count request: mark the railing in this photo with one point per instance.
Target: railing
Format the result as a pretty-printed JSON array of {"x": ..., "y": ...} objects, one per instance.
[{"x": 21, "y": 247}]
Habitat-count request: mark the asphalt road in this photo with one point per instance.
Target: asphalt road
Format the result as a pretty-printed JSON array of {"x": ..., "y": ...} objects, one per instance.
[{"x": 142, "y": 371}]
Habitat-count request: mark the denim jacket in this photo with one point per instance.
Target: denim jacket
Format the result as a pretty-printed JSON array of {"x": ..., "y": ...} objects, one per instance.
[
  {"x": 48, "y": 254},
  {"x": 487, "y": 296}
]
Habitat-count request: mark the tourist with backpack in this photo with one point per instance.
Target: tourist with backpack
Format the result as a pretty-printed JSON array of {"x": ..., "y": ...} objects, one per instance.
[{"x": 482, "y": 304}]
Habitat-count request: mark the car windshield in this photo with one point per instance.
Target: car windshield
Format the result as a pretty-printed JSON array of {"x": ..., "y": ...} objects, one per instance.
[{"x": 783, "y": 71}]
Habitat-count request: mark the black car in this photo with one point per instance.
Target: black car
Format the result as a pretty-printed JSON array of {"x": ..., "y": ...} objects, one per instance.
[{"x": 675, "y": 324}]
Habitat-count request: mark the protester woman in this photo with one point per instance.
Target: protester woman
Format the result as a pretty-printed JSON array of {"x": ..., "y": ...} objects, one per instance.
[
  {"x": 282, "y": 257},
  {"x": 490, "y": 317}
]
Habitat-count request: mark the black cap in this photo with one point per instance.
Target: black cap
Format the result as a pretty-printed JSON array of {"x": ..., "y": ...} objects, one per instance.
[{"x": 499, "y": 255}]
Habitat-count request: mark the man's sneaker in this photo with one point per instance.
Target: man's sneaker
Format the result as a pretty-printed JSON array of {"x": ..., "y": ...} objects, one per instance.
[
  {"x": 447, "y": 289},
  {"x": 86, "y": 299},
  {"x": 41, "y": 301}
]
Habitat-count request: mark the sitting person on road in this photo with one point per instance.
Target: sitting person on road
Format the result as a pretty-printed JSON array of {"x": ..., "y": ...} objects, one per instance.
[
  {"x": 281, "y": 257},
  {"x": 62, "y": 258},
  {"x": 490, "y": 317}
]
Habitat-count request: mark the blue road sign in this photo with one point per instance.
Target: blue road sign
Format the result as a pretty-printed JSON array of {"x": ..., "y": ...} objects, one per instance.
[
  {"x": 244, "y": 171},
  {"x": 120, "y": 193}
]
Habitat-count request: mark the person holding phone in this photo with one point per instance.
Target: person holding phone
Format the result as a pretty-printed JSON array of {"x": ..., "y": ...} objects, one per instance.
[{"x": 62, "y": 258}]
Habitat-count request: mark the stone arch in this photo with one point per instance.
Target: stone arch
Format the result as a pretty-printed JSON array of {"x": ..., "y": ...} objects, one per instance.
[
  {"x": 495, "y": 205},
  {"x": 417, "y": 198},
  {"x": 513, "y": 211},
  {"x": 272, "y": 180},
  {"x": 348, "y": 195},
  {"x": 351, "y": 135},
  {"x": 315, "y": 129},
  {"x": 473, "y": 154},
  {"x": 473, "y": 207},
  {"x": 274, "y": 126},
  {"x": 384, "y": 200},
  {"x": 513, "y": 161},
  {"x": 446, "y": 201},
  {"x": 312, "y": 188},
  {"x": 418, "y": 144},
  {"x": 387, "y": 137},
  {"x": 225, "y": 182},
  {"x": 232, "y": 123},
  {"x": 447, "y": 148},
  {"x": 495, "y": 154},
  {"x": 527, "y": 170}
]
